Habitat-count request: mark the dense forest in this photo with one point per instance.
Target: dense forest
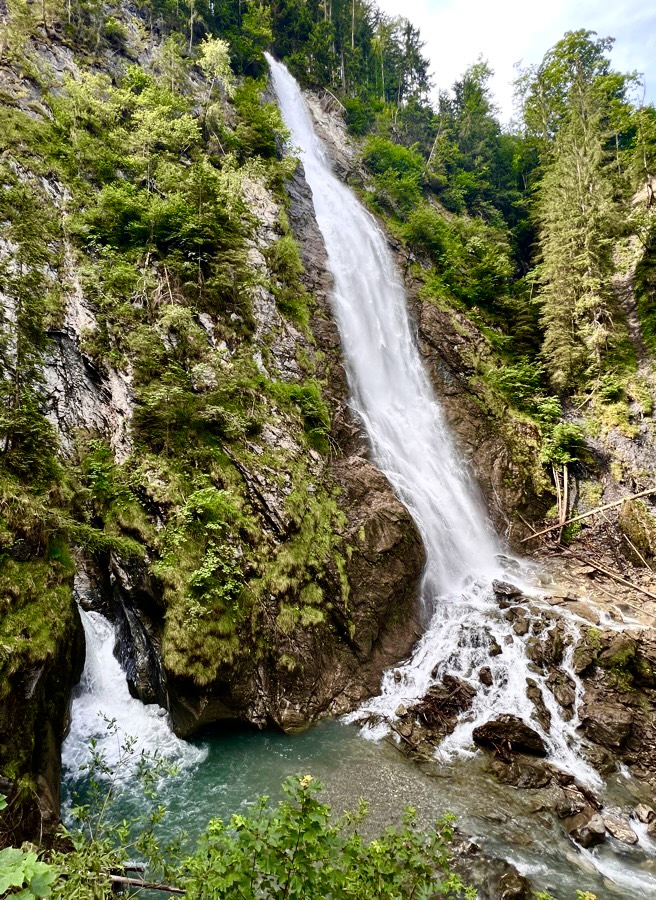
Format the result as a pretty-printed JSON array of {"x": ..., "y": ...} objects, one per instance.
[{"x": 138, "y": 139}]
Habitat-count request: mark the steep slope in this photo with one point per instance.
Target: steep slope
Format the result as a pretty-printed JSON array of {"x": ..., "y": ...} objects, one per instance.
[{"x": 176, "y": 439}]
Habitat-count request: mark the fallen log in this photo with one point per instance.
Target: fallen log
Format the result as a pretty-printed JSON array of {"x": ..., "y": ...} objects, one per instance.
[
  {"x": 585, "y": 515},
  {"x": 123, "y": 880}
]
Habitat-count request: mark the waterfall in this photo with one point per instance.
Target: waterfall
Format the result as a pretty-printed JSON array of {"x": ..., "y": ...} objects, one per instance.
[
  {"x": 103, "y": 696},
  {"x": 411, "y": 444}
]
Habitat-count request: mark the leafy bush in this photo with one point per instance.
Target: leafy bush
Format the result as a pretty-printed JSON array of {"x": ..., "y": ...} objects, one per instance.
[
  {"x": 565, "y": 444},
  {"x": 360, "y": 114},
  {"x": 23, "y": 869},
  {"x": 298, "y": 850}
]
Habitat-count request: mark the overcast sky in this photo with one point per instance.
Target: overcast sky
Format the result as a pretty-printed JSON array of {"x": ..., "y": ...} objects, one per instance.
[{"x": 507, "y": 31}]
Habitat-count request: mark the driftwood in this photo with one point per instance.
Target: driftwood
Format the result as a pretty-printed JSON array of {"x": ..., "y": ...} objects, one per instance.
[
  {"x": 124, "y": 881},
  {"x": 612, "y": 574},
  {"x": 585, "y": 515}
]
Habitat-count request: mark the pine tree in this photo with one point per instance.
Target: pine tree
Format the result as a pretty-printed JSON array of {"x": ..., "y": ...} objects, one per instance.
[{"x": 576, "y": 215}]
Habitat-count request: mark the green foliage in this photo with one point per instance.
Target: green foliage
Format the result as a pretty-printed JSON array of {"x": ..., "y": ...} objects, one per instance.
[
  {"x": 101, "y": 842},
  {"x": 311, "y": 405},
  {"x": 397, "y": 175},
  {"x": 201, "y": 570},
  {"x": 260, "y": 131},
  {"x": 285, "y": 264},
  {"x": 23, "y": 871},
  {"x": 564, "y": 444},
  {"x": 360, "y": 115},
  {"x": 298, "y": 850}
]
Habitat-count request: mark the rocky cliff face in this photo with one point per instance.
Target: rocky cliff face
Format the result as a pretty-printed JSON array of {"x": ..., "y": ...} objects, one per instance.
[
  {"x": 34, "y": 701},
  {"x": 204, "y": 483},
  {"x": 295, "y": 674}
]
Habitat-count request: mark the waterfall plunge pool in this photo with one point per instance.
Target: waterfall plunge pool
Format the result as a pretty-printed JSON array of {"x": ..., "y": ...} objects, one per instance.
[{"x": 228, "y": 773}]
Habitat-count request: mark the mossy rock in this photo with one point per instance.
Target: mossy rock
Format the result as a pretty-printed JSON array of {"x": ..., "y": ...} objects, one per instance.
[{"x": 637, "y": 524}]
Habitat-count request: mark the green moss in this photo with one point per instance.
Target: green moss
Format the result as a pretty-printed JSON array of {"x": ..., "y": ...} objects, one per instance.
[
  {"x": 593, "y": 637},
  {"x": 639, "y": 525}
]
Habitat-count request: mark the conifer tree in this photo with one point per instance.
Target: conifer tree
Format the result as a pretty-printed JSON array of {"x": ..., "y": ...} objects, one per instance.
[
  {"x": 575, "y": 105},
  {"x": 576, "y": 216}
]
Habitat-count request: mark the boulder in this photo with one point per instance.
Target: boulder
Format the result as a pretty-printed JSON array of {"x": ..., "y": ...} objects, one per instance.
[
  {"x": 571, "y": 804},
  {"x": 608, "y": 724},
  {"x": 510, "y": 733},
  {"x": 644, "y": 814},
  {"x": 563, "y": 689},
  {"x": 617, "y": 824},
  {"x": 521, "y": 772},
  {"x": 586, "y": 828},
  {"x": 513, "y": 886},
  {"x": 506, "y": 593},
  {"x": 485, "y": 676},
  {"x": 540, "y": 713}
]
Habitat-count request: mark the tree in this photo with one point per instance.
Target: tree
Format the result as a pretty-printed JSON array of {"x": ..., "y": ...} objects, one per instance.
[
  {"x": 547, "y": 91},
  {"x": 577, "y": 214},
  {"x": 214, "y": 60}
]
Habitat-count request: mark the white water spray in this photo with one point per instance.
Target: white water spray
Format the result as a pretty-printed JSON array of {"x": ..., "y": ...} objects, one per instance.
[
  {"x": 411, "y": 444},
  {"x": 103, "y": 696}
]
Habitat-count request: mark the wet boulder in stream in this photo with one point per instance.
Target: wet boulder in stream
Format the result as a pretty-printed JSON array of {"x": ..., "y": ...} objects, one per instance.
[
  {"x": 509, "y": 733},
  {"x": 587, "y": 828},
  {"x": 617, "y": 824}
]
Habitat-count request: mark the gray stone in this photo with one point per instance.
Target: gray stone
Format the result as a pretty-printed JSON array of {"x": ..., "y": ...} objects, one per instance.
[
  {"x": 644, "y": 814},
  {"x": 618, "y": 825},
  {"x": 607, "y": 724},
  {"x": 521, "y": 773},
  {"x": 563, "y": 689}
]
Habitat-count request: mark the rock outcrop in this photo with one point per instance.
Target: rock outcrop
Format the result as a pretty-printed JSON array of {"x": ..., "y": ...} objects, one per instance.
[
  {"x": 34, "y": 704},
  {"x": 323, "y": 559}
]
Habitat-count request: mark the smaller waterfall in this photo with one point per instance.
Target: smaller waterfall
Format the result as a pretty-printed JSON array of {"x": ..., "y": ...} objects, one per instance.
[{"x": 103, "y": 695}]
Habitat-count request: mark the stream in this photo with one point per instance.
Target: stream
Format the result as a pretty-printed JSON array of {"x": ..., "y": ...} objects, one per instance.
[
  {"x": 411, "y": 444},
  {"x": 222, "y": 775}
]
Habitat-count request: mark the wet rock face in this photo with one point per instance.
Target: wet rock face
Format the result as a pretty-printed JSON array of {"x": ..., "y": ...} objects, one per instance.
[
  {"x": 618, "y": 714},
  {"x": 495, "y": 879},
  {"x": 502, "y": 452},
  {"x": 510, "y": 733},
  {"x": 338, "y": 662},
  {"x": 33, "y": 722}
]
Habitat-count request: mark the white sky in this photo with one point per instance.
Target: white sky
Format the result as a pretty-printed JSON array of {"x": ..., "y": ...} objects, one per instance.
[{"x": 509, "y": 31}]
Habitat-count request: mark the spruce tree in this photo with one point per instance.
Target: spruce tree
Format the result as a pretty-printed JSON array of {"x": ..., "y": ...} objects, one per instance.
[{"x": 576, "y": 213}]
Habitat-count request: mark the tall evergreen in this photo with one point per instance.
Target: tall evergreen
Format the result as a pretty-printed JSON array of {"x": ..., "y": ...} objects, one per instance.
[
  {"x": 576, "y": 215},
  {"x": 576, "y": 108}
]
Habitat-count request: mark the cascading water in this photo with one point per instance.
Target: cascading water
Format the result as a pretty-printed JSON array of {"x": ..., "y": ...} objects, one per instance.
[
  {"x": 411, "y": 444},
  {"x": 102, "y": 697}
]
